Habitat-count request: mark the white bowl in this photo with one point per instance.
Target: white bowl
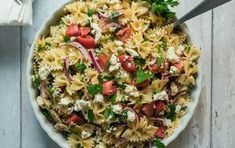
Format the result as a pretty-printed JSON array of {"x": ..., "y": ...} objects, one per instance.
[{"x": 48, "y": 126}]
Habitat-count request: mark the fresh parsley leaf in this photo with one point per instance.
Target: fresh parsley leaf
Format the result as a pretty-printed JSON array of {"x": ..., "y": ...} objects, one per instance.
[
  {"x": 158, "y": 143},
  {"x": 80, "y": 67},
  {"x": 47, "y": 114},
  {"x": 89, "y": 13},
  {"x": 142, "y": 76},
  {"x": 171, "y": 114},
  {"x": 108, "y": 113},
  {"x": 124, "y": 115},
  {"x": 94, "y": 89},
  {"x": 159, "y": 59},
  {"x": 162, "y": 7},
  {"x": 66, "y": 39},
  {"x": 122, "y": 86},
  {"x": 139, "y": 61},
  {"x": 113, "y": 98},
  {"x": 36, "y": 80},
  {"x": 80, "y": 93},
  {"x": 90, "y": 115}
]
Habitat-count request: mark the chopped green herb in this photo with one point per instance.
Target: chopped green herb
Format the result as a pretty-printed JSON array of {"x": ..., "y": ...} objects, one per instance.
[
  {"x": 108, "y": 113},
  {"x": 94, "y": 89},
  {"x": 90, "y": 115},
  {"x": 50, "y": 90},
  {"x": 89, "y": 13},
  {"x": 162, "y": 7},
  {"x": 157, "y": 143},
  {"x": 122, "y": 86},
  {"x": 139, "y": 61},
  {"x": 113, "y": 98},
  {"x": 171, "y": 114},
  {"x": 36, "y": 80},
  {"x": 47, "y": 114},
  {"x": 80, "y": 67},
  {"x": 66, "y": 39},
  {"x": 107, "y": 78},
  {"x": 80, "y": 93},
  {"x": 124, "y": 115},
  {"x": 159, "y": 59},
  {"x": 142, "y": 76},
  {"x": 187, "y": 48}
]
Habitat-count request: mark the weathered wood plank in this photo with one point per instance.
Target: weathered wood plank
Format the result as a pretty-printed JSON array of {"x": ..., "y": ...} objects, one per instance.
[
  {"x": 197, "y": 133},
  {"x": 223, "y": 97},
  {"x": 32, "y": 133},
  {"x": 10, "y": 87}
]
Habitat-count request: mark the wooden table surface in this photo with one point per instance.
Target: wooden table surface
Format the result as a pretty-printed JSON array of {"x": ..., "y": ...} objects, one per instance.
[{"x": 213, "y": 123}]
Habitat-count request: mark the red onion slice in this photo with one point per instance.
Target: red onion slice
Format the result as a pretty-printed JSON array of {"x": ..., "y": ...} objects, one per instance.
[
  {"x": 80, "y": 48},
  {"x": 94, "y": 61},
  {"x": 66, "y": 67}
]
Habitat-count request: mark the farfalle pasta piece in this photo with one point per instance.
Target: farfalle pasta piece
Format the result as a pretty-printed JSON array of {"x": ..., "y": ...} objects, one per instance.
[
  {"x": 92, "y": 75},
  {"x": 158, "y": 84},
  {"x": 191, "y": 52},
  {"x": 98, "y": 109},
  {"x": 76, "y": 83},
  {"x": 140, "y": 25},
  {"x": 140, "y": 132},
  {"x": 145, "y": 49},
  {"x": 75, "y": 141}
]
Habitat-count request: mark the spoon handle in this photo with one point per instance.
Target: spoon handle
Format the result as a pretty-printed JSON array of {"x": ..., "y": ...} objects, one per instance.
[{"x": 204, "y": 6}]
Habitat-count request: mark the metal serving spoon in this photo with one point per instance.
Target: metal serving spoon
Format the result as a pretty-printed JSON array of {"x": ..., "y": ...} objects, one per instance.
[{"x": 204, "y": 6}]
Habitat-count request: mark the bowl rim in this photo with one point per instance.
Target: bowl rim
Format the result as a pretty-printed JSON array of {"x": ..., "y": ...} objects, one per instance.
[{"x": 48, "y": 127}]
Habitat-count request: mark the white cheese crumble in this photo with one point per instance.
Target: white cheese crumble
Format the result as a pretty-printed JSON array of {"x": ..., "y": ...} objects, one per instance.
[
  {"x": 160, "y": 96},
  {"x": 132, "y": 52},
  {"x": 118, "y": 43},
  {"x": 174, "y": 71},
  {"x": 81, "y": 105},
  {"x": 171, "y": 55},
  {"x": 117, "y": 109},
  {"x": 180, "y": 50},
  {"x": 56, "y": 91},
  {"x": 99, "y": 98},
  {"x": 85, "y": 134},
  {"x": 111, "y": 129},
  {"x": 131, "y": 90},
  {"x": 65, "y": 101},
  {"x": 114, "y": 63},
  {"x": 43, "y": 72},
  {"x": 130, "y": 116},
  {"x": 177, "y": 108},
  {"x": 122, "y": 74},
  {"x": 40, "y": 101},
  {"x": 97, "y": 31},
  {"x": 167, "y": 122}
]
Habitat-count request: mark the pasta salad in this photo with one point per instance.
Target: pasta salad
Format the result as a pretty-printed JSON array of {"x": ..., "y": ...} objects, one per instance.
[{"x": 112, "y": 73}]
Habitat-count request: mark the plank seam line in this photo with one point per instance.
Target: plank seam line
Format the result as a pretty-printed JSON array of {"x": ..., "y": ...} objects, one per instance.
[
  {"x": 211, "y": 84},
  {"x": 21, "y": 86}
]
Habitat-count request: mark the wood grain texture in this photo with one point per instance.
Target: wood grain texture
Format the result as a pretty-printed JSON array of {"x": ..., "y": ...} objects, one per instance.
[
  {"x": 197, "y": 133},
  {"x": 223, "y": 109},
  {"x": 10, "y": 87},
  {"x": 32, "y": 133}
]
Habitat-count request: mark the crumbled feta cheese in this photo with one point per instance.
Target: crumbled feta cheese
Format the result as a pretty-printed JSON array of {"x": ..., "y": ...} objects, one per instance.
[
  {"x": 81, "y": 105},
  {"x": 167, "y": 122},
  {"x": 171, "y": 55},
  {"x": 111, "y": 129},
  {"x": 56, "y": 92},
  {"x": 40, "y": 101},
  {"x": 132, "y": 52},
  {"x": 174, "y": 71},
  {"x": 161, "y": 96},
  {"x": 115, "y": 65},
  {"x": 97, "y": 31},
  {"x": 177, "y": 108},
  {"x": 43, "y": 72},
  {"x": 85, "y": 134},
  {"x": 132, "y": 91},
  {"x": 180, "y": 50},
  {"x": 130, "y": 116},
  {"x": 117, "y": 109},
  {"x": 65, "y": 101},
  {"x": 118, "y": 43},
  {"x": 99, "y": 98},
  {"x": 122, "y": 74}
]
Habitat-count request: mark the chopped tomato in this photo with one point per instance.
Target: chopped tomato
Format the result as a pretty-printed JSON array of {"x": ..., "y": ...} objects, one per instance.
[
  {"x": 127, "y": 62},
  {"x": 103, "y": 60},
  {"x": 159, "y": 106},
  {"x": 74, "y": 118},
  {"x": 179, "y": 65},
  {"x": 148, "y": 109},
  {"x": 154, "y": 68},
  {"x": 73, "y": 30},
  {"x": 84, "y": 30},
  {"x": 109, "y": 88},
  {"x": 86, "y": 41},
  {"x": 160, "y": 133},
  {"x": 124, "y": 34}
]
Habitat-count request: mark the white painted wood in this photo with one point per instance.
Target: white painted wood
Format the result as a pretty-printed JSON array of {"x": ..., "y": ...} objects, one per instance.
[
  {"x": 197, "y": 133},
  {"x": 10, "y": 87},
  {"x": 223, "y": 97},
  {"x": 32, "y": 133}
]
